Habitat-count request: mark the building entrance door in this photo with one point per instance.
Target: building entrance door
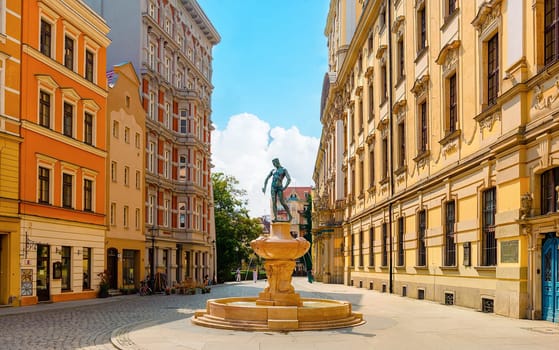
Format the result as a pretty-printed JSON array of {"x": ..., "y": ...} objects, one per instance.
[
  {"x": 550, "y": 278},
  {"x": 112, "y": 267},
  {"x": 43, "y": 272}
]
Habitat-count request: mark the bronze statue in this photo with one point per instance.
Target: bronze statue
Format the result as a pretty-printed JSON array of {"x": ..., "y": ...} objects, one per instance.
[{"x": 277, "y": 188}]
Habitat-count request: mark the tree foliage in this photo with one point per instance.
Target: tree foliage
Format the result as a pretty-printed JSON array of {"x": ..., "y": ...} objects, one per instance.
[{"x": 233, "y": 225}]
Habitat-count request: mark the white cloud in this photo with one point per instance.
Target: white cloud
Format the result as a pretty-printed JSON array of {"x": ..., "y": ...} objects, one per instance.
[{"x": 246, "y": 147}]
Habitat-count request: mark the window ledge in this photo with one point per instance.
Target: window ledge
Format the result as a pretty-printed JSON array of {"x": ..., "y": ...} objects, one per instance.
[
  {"x": 370, "y": 267},
  {"x": 485, "y": 268},
  {"x": 401, "y": 169},
  {"x": 448, "y": 138},
  {"x": 384, "y": 180},
  {"x": 425, "y": 267},
  {"x": 449, "y": 268},
  {"x": 422, "y": 156}
]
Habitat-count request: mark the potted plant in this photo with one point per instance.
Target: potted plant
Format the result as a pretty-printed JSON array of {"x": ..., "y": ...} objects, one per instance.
[{"x": 103, "y": 284}]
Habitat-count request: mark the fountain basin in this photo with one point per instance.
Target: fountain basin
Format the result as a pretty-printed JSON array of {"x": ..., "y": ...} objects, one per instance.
[
  {"x": 274, "y": 247},
  {"x": 245, "y": 314}
]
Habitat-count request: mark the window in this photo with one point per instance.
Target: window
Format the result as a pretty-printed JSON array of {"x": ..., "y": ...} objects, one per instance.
[
  {"x": 87, "y": 195},
  {"x": 361, "y": 178},
  {"x": 383, "y": 84},
  {"x": 113, "y": 171},
  {"x": 44, "y": 109},
  {"x": 112, "y": 214},
  {"x": 492, "y": 69},
  {"x": 371, "y": 246},
  {"x": 128, "y": 266},
  {"x": 127, "y": 101},
  {"x": 68, "y": 119},
  {"x": 421, "y": 29},
  {"x": 182, "y": 168},
  {"x": 401, "y": 62},
  {"x": 361, "y": 238},
  {"x": 88, "y": 129},
  {"x": 138, "y": 179},
  {"x": 182, "y": 215},
  {"x": 151, "y": 9},
  {"x": 168, "y": 69},
  {"x": 116, "y": 127},
  {"x": 127, "y": 135},
  {"x": 152, "y": 106},
  {"x": 450, "y": 246},
  {"x": 423, "y": 135},
  {"x": 151, "y": 210},
  {"x": 400, "y": 241},
  {"x": 549, "y": 180},
  {"x": 67, "y": 189},
  {"x": 151, "y": 56},
  {"x": 167, "y": 165},
  {"x": 126, "y": 176},
  {"x": 489, "y": 242},
  {"x": 421, "y": 249},
  {"x": 125, "y": 216},
  {"x": 66, "y": 262},
  {"x": 167, "y": 25},
  {"x": 137, "y": 140},
  {"x": 46, "y": 38},
  {"x": 86, "y": 283},
  {"x": 167, "y": 115},
  {"x": 183, "y": 122},
  {"x": 551, "y": 31},
  {"x": 402, "y": 148},
  {"x": 179, "y": 79},
  {"x": 151, "y": 157},
  {"x": 385, "y": 158},
  {"x": 351, "y": 251},
  {"x": 89, "y": 65},
  {"x": 44, "y": 185},
  {"x": 452, "y": 104},
  {"x": 371, "y": 166},
  {"x": 360, "y": 112},
  {"x": 371, "y": 101},
  {"x": 166, "y": 212},
  {"x": 384, "y": 245},
  {"x": 137, "y": 219},
  {"x": 69, "y": 52}
]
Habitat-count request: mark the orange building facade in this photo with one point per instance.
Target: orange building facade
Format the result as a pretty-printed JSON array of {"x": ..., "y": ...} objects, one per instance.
[{"x": 63, "y": 155}]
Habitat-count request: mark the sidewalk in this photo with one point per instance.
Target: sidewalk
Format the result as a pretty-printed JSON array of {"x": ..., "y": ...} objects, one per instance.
[{"x": 393, "y": 322}]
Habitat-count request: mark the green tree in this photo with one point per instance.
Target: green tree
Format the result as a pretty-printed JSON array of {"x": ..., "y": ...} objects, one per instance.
[{"x": 234, "y": 228}]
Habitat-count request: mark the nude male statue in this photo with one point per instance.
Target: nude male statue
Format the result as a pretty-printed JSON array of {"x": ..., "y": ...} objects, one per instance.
[{"x": 277, "y": 188}]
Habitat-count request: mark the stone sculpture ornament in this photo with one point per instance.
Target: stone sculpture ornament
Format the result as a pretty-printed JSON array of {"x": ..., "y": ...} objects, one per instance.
[{"x": 277, "y": 188}]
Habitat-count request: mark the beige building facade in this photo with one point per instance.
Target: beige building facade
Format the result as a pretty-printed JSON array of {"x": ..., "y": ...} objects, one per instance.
[
  {"x": 125, "y": 242},
  {"x": 437, "y": 170}
]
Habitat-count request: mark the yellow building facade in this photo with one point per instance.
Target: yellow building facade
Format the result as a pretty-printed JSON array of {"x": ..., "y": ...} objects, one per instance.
[
  {"x": 125, "y": 242},
  {"x": 437, "y": 170},
  {"x": 10, "y": 46}
]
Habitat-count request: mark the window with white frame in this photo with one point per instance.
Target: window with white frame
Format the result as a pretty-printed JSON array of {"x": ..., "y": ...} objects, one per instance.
[
  {"x": 182, "y": 168},
  {"x": 45, "y": 108},
  {"x": 88, "y": 195},
  {"x": 168, "y": 68},
  {"x": 151, "y": 9},
  {"x": 167, "y": 164},
  {"x": 183, "y": 122},
  {"x": 151, "y": 157},
  {"x": 88, "y": 128},
  {"x": 89, "y": 65},
  {"x": 69, "y": 52},
  {"x": 179, "y": 79},
  {"x": 151, "y": 56},
  {"x": 182, "y": 215},
  {"x": 67, "y": 190},
  {"x": 68, "y": 122},
  {"x": 152, "y": 106},
  {"x": 168, "y": 25},
  {"x": 125, "y": 216},
  {"x": 151, "y": 209},
  {"x": 112, "y": 214},
  {"x": 46, "y": 38},
  {"x": 166, "y": 212},
  {"x": 44, "y": 184},
  {"x": 167, "y": 115}
]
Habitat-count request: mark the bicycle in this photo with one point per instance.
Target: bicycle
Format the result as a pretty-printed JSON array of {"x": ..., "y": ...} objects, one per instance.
[{"x": 145, "y": 289}]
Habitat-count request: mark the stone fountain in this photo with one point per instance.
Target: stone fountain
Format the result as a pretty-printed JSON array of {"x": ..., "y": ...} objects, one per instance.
[{"x": 278, "y": 307}]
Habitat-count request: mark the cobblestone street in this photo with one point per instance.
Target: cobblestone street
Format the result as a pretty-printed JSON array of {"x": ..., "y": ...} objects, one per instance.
[{"x": 161, "y": 322}]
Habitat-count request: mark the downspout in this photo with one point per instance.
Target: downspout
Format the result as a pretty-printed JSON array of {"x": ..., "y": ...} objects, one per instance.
[{"x": 391, "y": 148}]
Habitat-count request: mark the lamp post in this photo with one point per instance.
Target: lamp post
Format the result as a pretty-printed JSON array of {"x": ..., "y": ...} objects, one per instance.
[
  {"x": 215, "y": 262},
  {"x": 152, "y": 230}
]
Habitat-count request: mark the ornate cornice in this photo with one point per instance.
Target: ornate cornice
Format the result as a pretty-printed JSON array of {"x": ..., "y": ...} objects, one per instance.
[
  {"x": 488, "y": 12},
  {"x": 421, "y": 86}
]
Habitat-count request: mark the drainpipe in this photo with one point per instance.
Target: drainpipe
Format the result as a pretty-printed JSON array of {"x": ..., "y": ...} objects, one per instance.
[{"x": 390, "y": 139}]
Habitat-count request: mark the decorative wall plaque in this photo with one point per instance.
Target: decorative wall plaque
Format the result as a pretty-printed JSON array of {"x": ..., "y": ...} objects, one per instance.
[{"x": 509, "y": 251}]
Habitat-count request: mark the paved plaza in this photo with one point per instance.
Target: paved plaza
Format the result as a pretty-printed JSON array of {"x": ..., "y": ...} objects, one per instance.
[{"x": 163, "y": 322}]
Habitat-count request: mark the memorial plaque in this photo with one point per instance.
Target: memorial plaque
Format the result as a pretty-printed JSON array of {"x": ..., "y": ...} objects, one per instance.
[{"x": 509, "y": 251}]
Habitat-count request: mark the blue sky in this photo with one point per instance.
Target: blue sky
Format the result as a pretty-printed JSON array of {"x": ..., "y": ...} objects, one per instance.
[
  {"x": 267, "y": 75},
  {"x": 270, "y": 62}
]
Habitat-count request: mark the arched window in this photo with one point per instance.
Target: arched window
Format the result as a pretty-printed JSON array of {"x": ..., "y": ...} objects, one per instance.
[{"x": 549, "y": 180}]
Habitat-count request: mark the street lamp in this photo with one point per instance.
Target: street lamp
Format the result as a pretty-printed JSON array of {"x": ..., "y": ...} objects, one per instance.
[
  {"x": 152, "y": 230},
  {"x": 215, "y": 262}
]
